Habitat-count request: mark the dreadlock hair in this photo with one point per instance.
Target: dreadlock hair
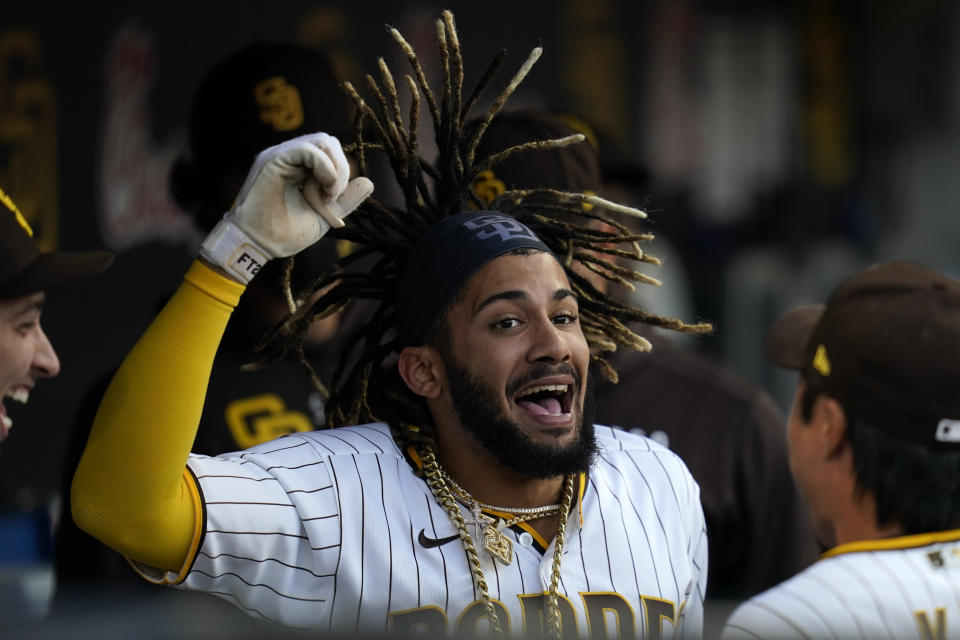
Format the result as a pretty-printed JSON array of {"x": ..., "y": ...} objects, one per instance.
[
  {"x": 913, "y": 485},
  {"x": 365, "y": 385}
]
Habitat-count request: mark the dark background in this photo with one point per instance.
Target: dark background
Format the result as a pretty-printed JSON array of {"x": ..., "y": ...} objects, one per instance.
[{"x": 779, "y": 146}]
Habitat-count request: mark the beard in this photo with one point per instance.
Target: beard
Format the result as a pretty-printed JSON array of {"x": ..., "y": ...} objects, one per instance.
[{"x": 479, "y": 410}]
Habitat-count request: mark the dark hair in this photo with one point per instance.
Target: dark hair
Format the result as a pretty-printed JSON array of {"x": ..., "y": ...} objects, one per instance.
[{"x": 914, "y": 486}]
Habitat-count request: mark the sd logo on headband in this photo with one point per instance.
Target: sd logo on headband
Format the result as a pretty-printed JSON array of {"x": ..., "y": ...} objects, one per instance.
[{"x": 506, "y": 228}]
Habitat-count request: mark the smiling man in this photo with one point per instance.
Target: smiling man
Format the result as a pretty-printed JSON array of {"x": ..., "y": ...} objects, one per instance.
[
  {"x": 522, "y": 404},
  {"x": 25, "y": 351},
  {"x": 478, "y": 494},
  {"x": 26, "y": 355}
]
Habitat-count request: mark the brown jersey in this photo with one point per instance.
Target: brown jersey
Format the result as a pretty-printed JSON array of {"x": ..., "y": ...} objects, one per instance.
[{"x": 732, "y": 437}]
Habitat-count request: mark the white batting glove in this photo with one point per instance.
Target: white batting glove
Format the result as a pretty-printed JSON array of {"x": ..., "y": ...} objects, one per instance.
[{"x": 295, "y": 192}]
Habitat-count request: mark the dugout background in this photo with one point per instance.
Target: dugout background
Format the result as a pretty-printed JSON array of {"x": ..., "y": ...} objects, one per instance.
[{"x": 781, "y": 146}]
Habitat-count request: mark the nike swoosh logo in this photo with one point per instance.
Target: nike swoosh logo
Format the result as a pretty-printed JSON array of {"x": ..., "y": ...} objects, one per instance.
[{"x": 428, "y": 543}]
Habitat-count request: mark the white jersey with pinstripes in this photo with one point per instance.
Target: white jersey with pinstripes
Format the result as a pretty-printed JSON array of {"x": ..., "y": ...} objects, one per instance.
[
  {"x": 907, "y": 587},
  {"x": 333, "y": 530}
]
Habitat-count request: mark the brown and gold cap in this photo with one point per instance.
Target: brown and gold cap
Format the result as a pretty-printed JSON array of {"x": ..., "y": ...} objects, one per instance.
[
  {"x": 887, "y": 346},
  {"x": 25, "y": 269},
  {"x": 573, "y": 168}
]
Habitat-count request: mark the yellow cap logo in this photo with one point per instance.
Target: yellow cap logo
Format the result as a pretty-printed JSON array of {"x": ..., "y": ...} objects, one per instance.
[
  {"x": 344, "y": 248},
  {"x": 487, "y": 187},
  {"x": 279, "y": 102},
  {"x": 7, "y": 200},
  {"x": 821, "y": 362},
  {"x": 586, "y": 206}
]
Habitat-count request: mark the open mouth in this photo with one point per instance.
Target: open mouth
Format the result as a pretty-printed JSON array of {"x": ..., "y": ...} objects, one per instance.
[
  {"x": 546, "y": 399},
  {"x": 18, "y": 394},
  {"x": 5, "y": 423}
]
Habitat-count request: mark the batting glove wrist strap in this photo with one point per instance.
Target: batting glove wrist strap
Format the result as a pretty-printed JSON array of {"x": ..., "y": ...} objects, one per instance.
[
  {"x": 230, "y": 248},
  {"x": 295, "y": 191}
]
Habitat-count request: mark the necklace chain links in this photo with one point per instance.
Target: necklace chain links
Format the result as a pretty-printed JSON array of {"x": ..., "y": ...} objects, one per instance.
[
  {"x": 468, "y": 500},
  {"x": 444, "y": 487}
]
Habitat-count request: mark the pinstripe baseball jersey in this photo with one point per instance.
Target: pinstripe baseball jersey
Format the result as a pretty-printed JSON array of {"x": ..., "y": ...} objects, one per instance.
[
  {"x": 906, "y": 587},
  {"x": 334, "y": 530}
]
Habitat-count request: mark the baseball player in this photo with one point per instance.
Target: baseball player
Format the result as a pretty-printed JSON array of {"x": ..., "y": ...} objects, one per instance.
[
  {"x": 484, "y": 498},
  {"x": 875, "y": 449},
  {"x": 26, "y": 355}
]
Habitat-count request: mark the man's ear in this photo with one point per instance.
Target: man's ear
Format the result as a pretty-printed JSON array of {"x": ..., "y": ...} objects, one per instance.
[
  {"x": 830, "y": 421},
  {"x": 422, "y": 370}
]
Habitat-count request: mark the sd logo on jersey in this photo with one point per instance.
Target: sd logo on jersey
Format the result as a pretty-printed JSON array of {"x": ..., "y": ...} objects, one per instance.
[{"x": 262, "y": 418}]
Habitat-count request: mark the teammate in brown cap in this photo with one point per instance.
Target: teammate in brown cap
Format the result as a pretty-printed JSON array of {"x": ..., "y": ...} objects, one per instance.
[
  {"x": 875, "y": 449},
  {"x": 26, "y": 354}
]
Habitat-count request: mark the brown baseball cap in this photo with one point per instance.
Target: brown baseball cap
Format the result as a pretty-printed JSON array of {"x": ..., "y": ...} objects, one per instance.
[
  {"x": 257, "y": 97},
  {"x": 25, "y": 269},
  {"x": 886, "y": 345},
  {"x": 575, "y": 167}
]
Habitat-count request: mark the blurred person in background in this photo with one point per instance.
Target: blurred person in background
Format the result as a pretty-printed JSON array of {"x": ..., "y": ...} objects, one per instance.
[
  {"x": 269, "y": 93},
  {"x": 26, "y": 273},
  {"x": 27, "y": 357},
  {"x": 729, "y": 432}
]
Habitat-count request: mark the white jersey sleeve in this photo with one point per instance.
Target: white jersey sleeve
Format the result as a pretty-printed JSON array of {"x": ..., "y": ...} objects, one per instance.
[
  {"x": 260, "y": 550},
  {"x": 273, "y": 531},
  {"x": 691, "y": 615}
]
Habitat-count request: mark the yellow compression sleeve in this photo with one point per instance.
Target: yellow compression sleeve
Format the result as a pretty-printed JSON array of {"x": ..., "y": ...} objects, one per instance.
[{"x": 131, "y": 489}]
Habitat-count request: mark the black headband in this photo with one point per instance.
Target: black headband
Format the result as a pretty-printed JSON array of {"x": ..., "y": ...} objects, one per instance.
[{"x": 445, "y": 258}]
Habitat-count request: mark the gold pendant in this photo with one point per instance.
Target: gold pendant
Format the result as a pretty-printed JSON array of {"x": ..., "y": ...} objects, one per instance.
[
  {"x": 481, "y": 521},
  {"x": 497, "y": 544}
]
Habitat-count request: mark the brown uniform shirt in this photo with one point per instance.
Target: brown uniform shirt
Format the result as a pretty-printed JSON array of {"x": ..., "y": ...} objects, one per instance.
[{"x": 732, "y": 437}]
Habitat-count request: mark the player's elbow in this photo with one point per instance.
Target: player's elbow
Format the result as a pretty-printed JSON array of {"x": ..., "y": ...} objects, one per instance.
[
  {"x": 86, "y": 505},
  {"x": 96, "y": 507},
  {"x": 143, "y": 526},
  {"x": 109, "y": 522}
]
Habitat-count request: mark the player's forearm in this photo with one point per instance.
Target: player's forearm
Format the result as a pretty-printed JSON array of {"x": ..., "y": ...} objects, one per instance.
[{"x": 129, "y": 489}]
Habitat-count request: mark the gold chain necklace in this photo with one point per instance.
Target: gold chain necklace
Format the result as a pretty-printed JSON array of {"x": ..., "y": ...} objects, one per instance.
[
  {"x": 468, "y": 500},
  {"x": 443, "y": 494},
  {"x": 490, "y": 529}
]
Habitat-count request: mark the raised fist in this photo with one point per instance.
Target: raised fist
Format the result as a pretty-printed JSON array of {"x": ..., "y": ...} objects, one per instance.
[{"x": 295, "y": 191}]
